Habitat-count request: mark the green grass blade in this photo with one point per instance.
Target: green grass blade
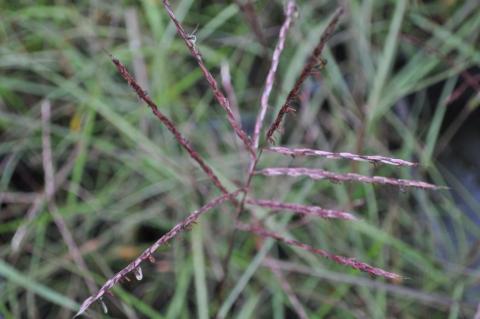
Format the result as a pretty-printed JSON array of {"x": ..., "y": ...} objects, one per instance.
[{"x": 14, "y": 276}]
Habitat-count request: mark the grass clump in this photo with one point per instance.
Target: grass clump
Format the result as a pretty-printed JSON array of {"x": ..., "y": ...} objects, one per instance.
[{"x": 109, "y": 178}]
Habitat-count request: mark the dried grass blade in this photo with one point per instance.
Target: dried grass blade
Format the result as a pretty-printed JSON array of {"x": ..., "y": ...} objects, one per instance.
[
  {"x": 291, "y": 8},
  {"x": 351, "y": 262},
  {"x": 177, "y": 229},
  {"x": 301, "y": 209},
  {"x": 314, "y": 62},
  {"x": 220, "y": 97},
  {"x": 39, "y": 201},
  {"x": 50, "y": 187},
  {"x": 315, "y": 173},
  {"x": 375, "y": 159}
]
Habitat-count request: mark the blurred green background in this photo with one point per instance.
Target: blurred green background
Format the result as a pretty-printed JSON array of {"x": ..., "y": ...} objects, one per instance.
[{"x": 402, "y": 80}]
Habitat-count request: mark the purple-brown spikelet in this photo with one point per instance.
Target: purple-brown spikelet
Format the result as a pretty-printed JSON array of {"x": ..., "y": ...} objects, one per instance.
[
  {"x": 142, "y": 94},
  {"x": 219, "y": 96},
  {"x": 291, "y": 7},
  {"x": 374, "y": 159},
  {"x": 314, "y": 63},
  {"x": 147, "y": 254},
  {"x": 351, "y": 262},
  {"x": 301, "y": 209},
  {"x": 316, "y": 173}
]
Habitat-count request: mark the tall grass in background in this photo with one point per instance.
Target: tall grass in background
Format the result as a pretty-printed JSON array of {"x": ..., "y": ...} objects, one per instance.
[{"x": 84, "y": 159}]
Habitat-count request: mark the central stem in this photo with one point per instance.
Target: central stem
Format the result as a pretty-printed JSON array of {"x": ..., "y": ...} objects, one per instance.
[{"x": 239, "y": 209}]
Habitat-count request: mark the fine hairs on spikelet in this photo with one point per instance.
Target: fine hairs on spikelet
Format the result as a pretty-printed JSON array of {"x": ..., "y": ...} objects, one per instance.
[{"x": 242, "y": 198}]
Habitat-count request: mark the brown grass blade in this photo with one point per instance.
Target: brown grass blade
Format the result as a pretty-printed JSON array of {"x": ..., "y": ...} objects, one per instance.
[
  {"x": 375, "y": 159},
  {"x": 291, "y": 8},
  {"x": 39, "y": 201},
  {"x": 301, "y": 209},
  {"x": 315, "y": 61},
  {"x": 350, "y": 262},
  {"x": 147, "y": 254},
  {"x": 316, "y": 173},
  {"x": 220, "y": 97}
]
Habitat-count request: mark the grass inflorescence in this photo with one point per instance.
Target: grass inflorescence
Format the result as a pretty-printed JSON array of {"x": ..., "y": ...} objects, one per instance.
[{"x": 96, "y": 191}]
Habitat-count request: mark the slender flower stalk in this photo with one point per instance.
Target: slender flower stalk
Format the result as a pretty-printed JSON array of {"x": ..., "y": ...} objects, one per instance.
[
  {"x": 258, "y": 125},
  {"x": 220, "y": 97},
  {"x": 291, "y": 8},
  {"x": 351, "y": 262},
  {"x": 301, "y": 209},
  {"x": 374, "y": 159},
  {"x": 316, "y": 173},
  {"x": 147, "y": 253},
  {"x": 314, "y": 63},
  {"x": 143, "y": 95}
]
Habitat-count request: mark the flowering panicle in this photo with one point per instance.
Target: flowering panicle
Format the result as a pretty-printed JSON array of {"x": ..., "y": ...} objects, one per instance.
[{"x": 314, "y": 63}]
